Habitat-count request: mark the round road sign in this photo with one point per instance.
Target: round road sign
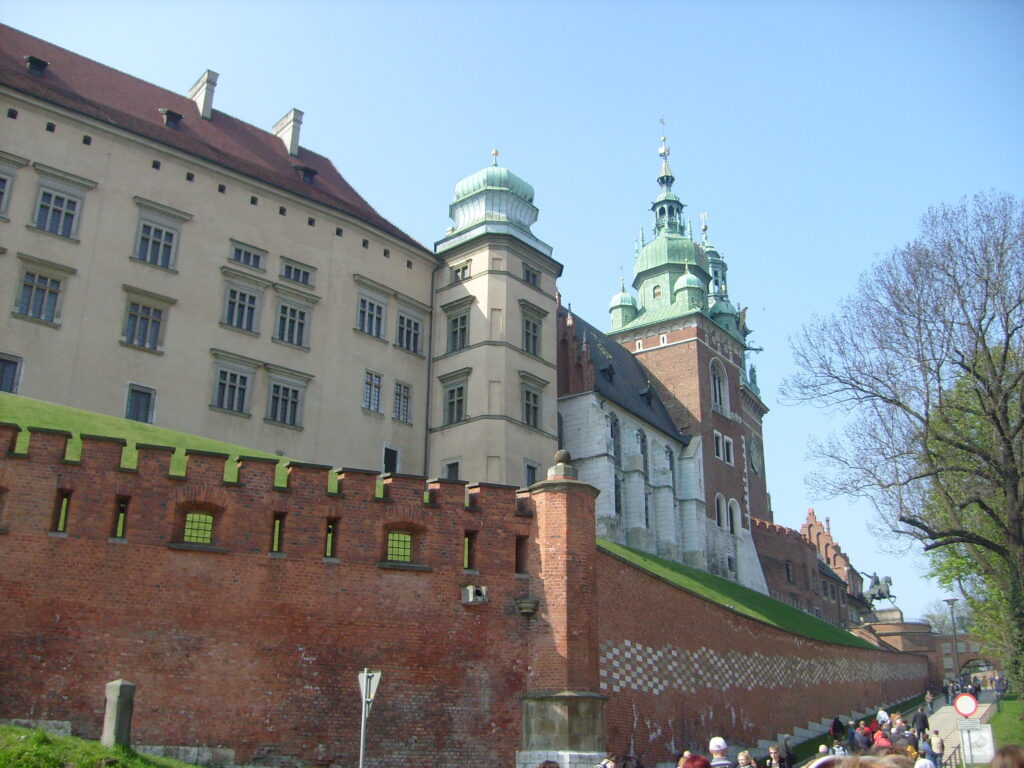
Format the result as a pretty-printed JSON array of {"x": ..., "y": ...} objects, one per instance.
[{"x": 965, "y": 704}]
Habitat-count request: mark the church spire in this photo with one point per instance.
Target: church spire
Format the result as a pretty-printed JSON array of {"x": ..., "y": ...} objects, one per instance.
[{"x": 668, "y": 209}]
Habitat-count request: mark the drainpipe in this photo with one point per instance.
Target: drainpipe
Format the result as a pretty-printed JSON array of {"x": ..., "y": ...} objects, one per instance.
[{"x": 430, "y": 375}]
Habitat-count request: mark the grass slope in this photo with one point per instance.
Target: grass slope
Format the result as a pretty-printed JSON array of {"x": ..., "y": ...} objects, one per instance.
[
  {"x": 25, "y": 748},
  {"x": 26, "y": 412},
  {"x": 735, "y": 597},
  {"x": 1008, "y": 722}
]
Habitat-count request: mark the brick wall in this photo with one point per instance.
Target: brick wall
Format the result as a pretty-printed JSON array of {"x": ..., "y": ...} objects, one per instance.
[
  {"x": 678, "y": 671},
  {"x": 255, "y": 652}
]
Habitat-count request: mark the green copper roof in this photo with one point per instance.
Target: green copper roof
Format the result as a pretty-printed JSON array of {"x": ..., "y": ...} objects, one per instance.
[
  {"x": 689, "y": 280},
  {"x": 668, "y": 248},
  {"x": 622, "y": 299},
  {"x": 493, "y": 177}
]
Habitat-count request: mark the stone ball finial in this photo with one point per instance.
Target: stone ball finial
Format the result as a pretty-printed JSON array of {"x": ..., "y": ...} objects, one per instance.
[{"x": 562, "y": 457}]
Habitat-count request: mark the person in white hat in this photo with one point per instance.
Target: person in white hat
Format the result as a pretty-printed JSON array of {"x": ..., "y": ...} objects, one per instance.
[{"x": 719, "y": 753}]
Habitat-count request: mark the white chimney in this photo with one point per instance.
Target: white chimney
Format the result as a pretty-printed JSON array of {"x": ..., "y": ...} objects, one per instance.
[
  {"x": 287, "y": 130},
  {"x": 202, "y": 93}
]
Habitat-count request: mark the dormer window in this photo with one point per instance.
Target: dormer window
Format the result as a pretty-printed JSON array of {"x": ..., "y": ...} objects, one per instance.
[
  {"x": 307, "y": 173},
  {"x": 171, "y": 118},
  {"x": 36, "y": 65}
]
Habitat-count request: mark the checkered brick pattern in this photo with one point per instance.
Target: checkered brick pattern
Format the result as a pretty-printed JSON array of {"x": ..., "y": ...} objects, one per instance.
[{"x": 628, "y": 665}]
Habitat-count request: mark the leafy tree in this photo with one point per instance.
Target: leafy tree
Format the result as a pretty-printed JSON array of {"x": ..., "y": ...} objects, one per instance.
[
  {"x": 926, "y": 359},
  {"x": 936, "y": 613}
]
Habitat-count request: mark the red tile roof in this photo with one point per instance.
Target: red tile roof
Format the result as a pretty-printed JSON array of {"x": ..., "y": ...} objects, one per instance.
[{"x": 90, "y": 88}]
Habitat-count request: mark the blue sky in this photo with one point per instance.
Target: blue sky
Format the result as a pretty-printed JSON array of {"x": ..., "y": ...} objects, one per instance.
[{"x": 814, "y": 134}]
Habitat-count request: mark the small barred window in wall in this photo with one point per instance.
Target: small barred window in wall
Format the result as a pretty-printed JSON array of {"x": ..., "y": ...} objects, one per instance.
[
  {"x": 241, "y": 309},
  {"x": 120, "y": 517},
  {"x": 198, "y": 528},
  {"x": 142, "y": 326},
  {"x": 156, "y": 245},
  {"x": 330, "y": 537},
  {"x": 371, "y": 391},
  {"x": 401, "y": 405},
  {"x": 57, "y": 213},
  {"x": 284, "y": 404},
  {"x": 371, "y": 317},
  {"x": 140, "y": 404},
  {"x": 455, "y": 404},
  {"x": 531, "y": 335},
  {"x": 291, "y": 325},
  {"x": 408, "y": 333},
  {"x": 399, "y": 546},
  {"x": 9, "y": 369},
  {"x": 232, "y": 390},
  {"x": 39, "y": 296}
]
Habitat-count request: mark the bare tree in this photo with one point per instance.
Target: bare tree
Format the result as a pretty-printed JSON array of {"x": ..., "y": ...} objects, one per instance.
[{"x": 926, "y": 360}]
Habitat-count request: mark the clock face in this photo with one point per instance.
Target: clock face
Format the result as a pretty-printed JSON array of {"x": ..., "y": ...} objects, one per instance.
[{"x": 756, "y": 458}]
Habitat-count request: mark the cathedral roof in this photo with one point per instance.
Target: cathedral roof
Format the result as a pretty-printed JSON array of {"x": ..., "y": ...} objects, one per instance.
[
  {"x": 130, "y": 104},
  {"x": 619, "y": 377}
]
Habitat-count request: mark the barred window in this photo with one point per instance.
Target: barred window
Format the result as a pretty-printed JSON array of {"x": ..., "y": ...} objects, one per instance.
[
  {"x": 408, "y": 333},
  {"x": 39, "y": 296},
  {"x": 401, "y": 405},
  {"x": 57, "y": 213},
  {"x": 371, "y": 391},
  {"x": 371, "y": 317},
  {"x": 156, "y": 245},
  {"x": 198, "y": 528},
  {"x": 399, "y": 547},
  {"x": 143, "y": 325}
]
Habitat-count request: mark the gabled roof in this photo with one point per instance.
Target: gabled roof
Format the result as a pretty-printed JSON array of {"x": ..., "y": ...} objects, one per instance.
[
  {"x": 97, "y": 91},
  {"x": 619, "y": 377}
]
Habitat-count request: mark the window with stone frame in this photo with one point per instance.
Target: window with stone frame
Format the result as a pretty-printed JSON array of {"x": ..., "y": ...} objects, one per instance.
[
  {"x": 408, "y": 333},
  {"x": 10, "y": 372},
  {"x": 372, "y": 383},
  {"x": 234, "y": 382},
  {"x": 41, "y": 290},
  {"x": 286, "y": 395},
  {"x": 140, "y": 404},
  {"x": 370, "y": 318},
  {"x": 158, "y": 235}
]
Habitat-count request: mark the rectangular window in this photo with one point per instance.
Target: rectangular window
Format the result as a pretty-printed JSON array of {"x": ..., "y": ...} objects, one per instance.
[
  {"x": 718, "y": 445},
  {"x": 789, "y": 572},
  {"x": 531, "y": 474},
  {"x": 331, "y": 537},
  {"x": 469, "y": 551},
  {"x": 240, "y": 307},
  {"x": 285, "y": 404},
  {"x": 371, "y": 317},
  {"x": 156, "y": 245},
  {"x": 232, "y": 393},
  {"x": 401, "y": 404},
  {"x": 371, "y": 391},
  {"x": 408, "y": 333},
  {"x": 292, "y": 325},
  {"x": 460, "y": 273},
  {"x": 10, "y": 372},
  {"x": 531, "y": 335},
  {"x": 120, "y": 526},
  {"x": 399, "y": 547},
  {"x": 277, "y": 532},
  {"x": 455, "y": 403},
  {"x": 451, "y": 470},
  {"x": 458, "y": 331},
  {"x": 57, "y": 213},
  {"x": 522, "y": 543},
  {"x": 247, "y": 256},
  {"x": 727, "y": 450},
  {"x": 297, "y": 274},
  {"x": 531, "y": 407},
  {"x": 143, "y": 325},
  {"x": 60, "y": 511},
  {"x": 5, "y": 184},
  {"x": 198, "y": 528},
  {"x": 531, "y": 276},
  {"x": 39, "y": 298},
  {"x": 141, "y": 403}
]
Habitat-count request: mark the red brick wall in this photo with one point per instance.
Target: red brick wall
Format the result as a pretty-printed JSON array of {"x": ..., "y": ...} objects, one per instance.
[
  {"x": 679, "y": 671},
  {"x": 255, "y": 652}
]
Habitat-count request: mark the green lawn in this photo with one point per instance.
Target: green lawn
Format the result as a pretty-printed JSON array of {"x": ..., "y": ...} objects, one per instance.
[
  {"x": 1007, "y": 723},
  {"x": 26, "y": 412},
  {"x": 25, "y": 748},
  {"x": 735, "y": 597}
]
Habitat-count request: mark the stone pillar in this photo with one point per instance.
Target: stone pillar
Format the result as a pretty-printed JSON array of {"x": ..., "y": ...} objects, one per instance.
[
  {"x": 117, "y": 720},
  {"x": 563, "y": 711}
]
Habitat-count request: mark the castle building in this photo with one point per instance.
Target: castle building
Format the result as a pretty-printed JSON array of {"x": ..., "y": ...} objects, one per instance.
[
  {"x": 689, "y": 498},
  {"x": 169, "y": 263}
]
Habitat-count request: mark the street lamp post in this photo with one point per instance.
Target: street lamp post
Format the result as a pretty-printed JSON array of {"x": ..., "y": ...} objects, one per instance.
[{"x": 950, "y": 601}]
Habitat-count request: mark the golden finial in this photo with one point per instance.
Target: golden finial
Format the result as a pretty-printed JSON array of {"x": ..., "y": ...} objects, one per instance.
[{"x": 494, "y": 154}]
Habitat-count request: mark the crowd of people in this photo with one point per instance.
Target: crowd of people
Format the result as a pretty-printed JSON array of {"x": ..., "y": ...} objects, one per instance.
[{"x": 883, "y": 741}]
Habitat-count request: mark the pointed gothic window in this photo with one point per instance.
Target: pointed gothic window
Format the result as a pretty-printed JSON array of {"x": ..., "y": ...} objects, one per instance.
[
  {"x": 719, "y": 388},
  {"x": 616, "y": 435}
]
